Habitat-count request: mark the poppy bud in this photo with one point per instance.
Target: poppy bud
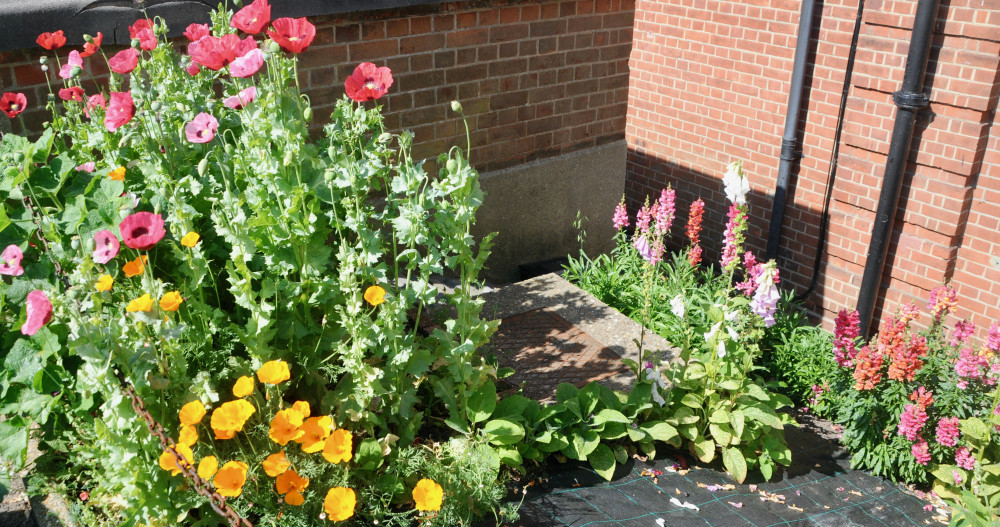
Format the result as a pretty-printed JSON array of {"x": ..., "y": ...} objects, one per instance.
[
  {"x": 43, "y": 60},
  {"x": 228, "y": 149},
  {"x": 328, "y": 175},
  {"x": 155, "y": 106},
  {"x": 203, "y": 167},
  {"x": 289, "y": 158},
  {"x": 45, "y": 68},
  {"x": 385, "y": 137},
  {"x": 307, "y": 114},
  {"x": 89, "y": 39},
  {"x": 135, "y": 43},
  {"x": 273, "y": 46},
  {"x": 88, "y": 245},
  {"x": 75, "y": 243},
  {"x": 125, "y": 140},
  {"x": 451, "y": 165},
  {"x": 332, "y": 152},
  {"x": 74, "y": 71},
  {"x": 456, "y": 106}
]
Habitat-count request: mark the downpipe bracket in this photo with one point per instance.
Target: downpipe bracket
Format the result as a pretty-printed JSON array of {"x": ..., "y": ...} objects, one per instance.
[
  {"x": 788, "y": 152},
  {"x": 909, "y": 100}
]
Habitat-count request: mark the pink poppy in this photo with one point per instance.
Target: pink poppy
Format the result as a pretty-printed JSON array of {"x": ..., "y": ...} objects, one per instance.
[
  {"x": 215, "y": 53},
  {"x": 293, "y": 34},
  {"x": 139, "y": 26},
  {"x": 13, "y": 103},
  {"x": 10, "y": 261},
  {"x": 195, "y": 32},
  {"x": 124, "y": 61},
  {"x": 95, "y": 101},
  {"x": 248, "y": 64},
  {"x": 39, "y": 312},
  {"x": 107, "y": 246},
  {"x": 368, "y": 82},
  {"x": 121, "y": 109},
  {"x": 253, "y": 18},
  {"x": 87, "y": 167},
  {"x": 193, "y": 69},
  {"x": 75, "y": 60},
  {"x": 142, "y": 230},
  {"x": 147, "y": 40},
  {"x": 240, "y": 100},
  {"x": 73, "y": 93},
  {"x": 202, "y": 128}
]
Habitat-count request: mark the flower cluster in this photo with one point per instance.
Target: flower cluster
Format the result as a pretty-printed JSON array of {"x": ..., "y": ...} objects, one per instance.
[
  {"x": 733, "y": 237},
  {"x": 846, "y": 330},
  {"x": 942, "y": 300},
  {"x": 695, "y": 218},
  {"x": 766, "y": 296},
  {"x": 620, "y": 219}
]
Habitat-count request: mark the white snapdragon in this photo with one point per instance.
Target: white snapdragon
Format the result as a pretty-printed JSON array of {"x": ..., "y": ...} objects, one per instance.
[{"x": 736, "y": 185}]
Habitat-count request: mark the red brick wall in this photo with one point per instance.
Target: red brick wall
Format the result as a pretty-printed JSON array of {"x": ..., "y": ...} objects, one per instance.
[
  {"x": 709, "y": 84},
  {"x": 536, "y": 78}
]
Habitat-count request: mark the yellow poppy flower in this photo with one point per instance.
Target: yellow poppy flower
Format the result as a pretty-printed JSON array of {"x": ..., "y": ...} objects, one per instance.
[
  {"x": 230, "y": 417},
  {"x": 315, "y": 430},
  {"x": 275, "y": 464},
  {"x": 190, "y": 239},
  {"x": 135, "y": 267},
  {"x": 188, "y": 435},
  {"x": 338, "y": 446},
  {"x": 339, "y": 504},
  {"x": 274, "y": 372},
  {"x": 171, "y": 301},
  {"x": 104, "y": 283},
  {"x": 117, "y": 174},
  {"x": 243, "y": 386},
  {"x": 302, "y": 407},
  {"x": 290, "y": 480},
  {"x": 285, "y": 426},
  {"x": 192, "y": 413},
  {"x": 143, "y": 303},
  {"x": 428, "y": 495},
  {"x": 375, "y": 295},
  {"x": 170, "y": 462},
  {"x": 295, "y": 498},
  {"x": 208, "y": 466},
  {"x": 230, "y": 478}
]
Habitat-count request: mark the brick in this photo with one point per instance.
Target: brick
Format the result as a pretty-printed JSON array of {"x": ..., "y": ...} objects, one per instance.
[{"x": 348, "y": 33}]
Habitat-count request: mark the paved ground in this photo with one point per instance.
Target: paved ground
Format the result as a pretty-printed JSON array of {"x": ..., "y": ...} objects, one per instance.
[{"x": 553, "y": 332}]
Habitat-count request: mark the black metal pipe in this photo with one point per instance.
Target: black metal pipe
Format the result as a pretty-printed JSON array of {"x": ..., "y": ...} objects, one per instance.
[
  {"x": 790, "y": 136},
  {"x": 909, "y": 100}
]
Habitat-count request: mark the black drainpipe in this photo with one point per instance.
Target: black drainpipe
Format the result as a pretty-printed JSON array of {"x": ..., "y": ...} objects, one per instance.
[
  {"x": 909, "y": 99},
  {"x": 790, "y": 137}
]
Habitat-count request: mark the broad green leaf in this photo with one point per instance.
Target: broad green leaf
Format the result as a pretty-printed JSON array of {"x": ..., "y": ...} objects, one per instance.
[
  {"x": 566, "y": 392},
  {"x": 503, "y": 432},
  {"x": 14, "y": 440},
  {"x": 603, "y": 461},
  {"x": 512, "y": 406},
  {"x": 975, "y": 428},
  {"x": 737, "y": 420},
  {"x": 722, "y": 434},
  {"x": 482, "y": 403},
  {"x": 588, "y": 397},
  {"x": 691, "y": 400},
  {"x": 719, "y": 416},
  {"x": 764, "y": 416},
  {"x": 730, "y": 384},
  {"x": 510, "y": 457},
  {"x": 703, "y": 449},
  {"x": 581, "y": 444},
  {"x": 661, "y": 431},
  {"x": 609, "y": 416},
  {"x": 369, "y": 455},
  {"x": 735, "y": 464}
]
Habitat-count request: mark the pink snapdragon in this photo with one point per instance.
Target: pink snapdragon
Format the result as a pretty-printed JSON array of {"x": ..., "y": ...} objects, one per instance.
[
  {"x": 947, "y": 431},
  {"x": 642, "y": 219},
  {"x": 921, "y": 451},
  {"x": 10, "y": 261},
  {"x": 620, "y": 219},
  {"x": 993, "y": 338},
  {"x": 911, "y": 421},
  {"x": 752, "y": 271},
  {"x": 695, "y": 218},
  {"x": 733, "y": 237},
  {"x": 845, "y": 332},
  {"x": 665, "y": 210},
  {"x": 963, "y": 330},
  {"x": 964, "y": 459},
  {"x": 943, "y": 299},
  {"x": 971, "y": 365}
]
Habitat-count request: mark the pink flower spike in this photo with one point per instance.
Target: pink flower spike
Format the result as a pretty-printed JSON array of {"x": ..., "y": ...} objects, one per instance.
[
  {"x": 107, "y": 246},
  {"x": 87, "y": 167},
  {"x": 75, "y": 60},
  {"x": 240, "y": 100},
  {"x": 142, "y": 230},
  {"x": 248, "y": 64},
  {"x": 121, "y": 109},
  {"x": 201, "y": 129},
  {"x": 124, "y": 61},
  {"x": 10, "y": 261},
  {"x": 39, "y": 312}
]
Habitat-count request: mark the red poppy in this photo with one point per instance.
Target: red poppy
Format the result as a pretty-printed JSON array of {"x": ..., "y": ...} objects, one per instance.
[
  {"x": 293, "y": 34},
  {"x": 215, "y": 53},
  {"x": 124, "y": 61},
  {"x": 142, "y": 230},
  {"x": 195, "y": 32},
  {"x": 39, "y": 312},
  {"x": 13, "y": 103},
  {"x": 73, "y": 93},
  {"x": 121, "y": 109},
  {"x": 139, "y": 25},
  {"x": 253, "y": 18},
  {"x": 368, "y": 82},
  {"x": 51, "y": 41},
  {"x": 192, "y": 69},
  {"x": 147, "y": 40},
  {"x": 90, "y": 48}
]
